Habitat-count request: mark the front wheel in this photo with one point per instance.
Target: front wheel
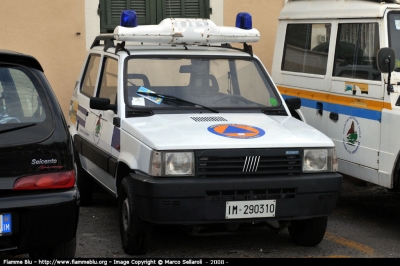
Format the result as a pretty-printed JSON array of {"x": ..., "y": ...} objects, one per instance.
[
  {"x": 135, "y": 232},
  {"x": 308, "y": 232}
]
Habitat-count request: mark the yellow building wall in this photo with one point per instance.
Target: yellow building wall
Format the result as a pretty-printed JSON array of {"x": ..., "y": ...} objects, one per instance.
[
  {"x": 265, "y": 15},
  {"x": 53, "y": 32}
]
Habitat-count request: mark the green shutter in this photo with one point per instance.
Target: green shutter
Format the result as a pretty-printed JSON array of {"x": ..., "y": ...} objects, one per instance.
[
  {"x": 184, "y": 9},
  {"x": 110, "y": 12},
  {"x": 145, "y": 10},
  {"x": 172, "y": 9},
  {"x": 150, "y": 11}
]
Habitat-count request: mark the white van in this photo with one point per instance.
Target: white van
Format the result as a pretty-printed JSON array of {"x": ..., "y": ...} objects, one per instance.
[
  {"x": 185, "y": 130},
  {"x": 326, "y": 54}
]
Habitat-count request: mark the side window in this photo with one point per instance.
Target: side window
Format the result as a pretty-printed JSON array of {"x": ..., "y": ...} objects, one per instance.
[
  {"x": 394, "y": 35},
  {"x": 356, "y": 48},
  {"x": 109, "y": 80},
  {"x": 306, "y": 48},
  {"x": 90, "y": 76}
]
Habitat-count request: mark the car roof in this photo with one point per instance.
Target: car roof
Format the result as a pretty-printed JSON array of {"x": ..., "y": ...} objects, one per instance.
[
  {"x": 7, "y": 56},
  {"x": 335, "y": 9}
]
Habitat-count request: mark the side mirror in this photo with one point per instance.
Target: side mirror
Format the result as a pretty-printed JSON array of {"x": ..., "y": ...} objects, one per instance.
[
  {"x": 102, "y": 104},
  {"x": 386, "y": 61},
  {"x": 293, "y": 103}
]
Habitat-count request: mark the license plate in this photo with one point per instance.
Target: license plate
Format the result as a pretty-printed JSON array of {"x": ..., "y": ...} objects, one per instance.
[
  {"x": 250, "y": 209},
  {"x": 5, "y": 224}
]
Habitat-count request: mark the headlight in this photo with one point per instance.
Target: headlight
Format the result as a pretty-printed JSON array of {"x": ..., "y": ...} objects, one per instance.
[
  {"x": 172, "y": 164},
  {"x": 178, "y": 163},
  {"x": 319, "y": 160}
]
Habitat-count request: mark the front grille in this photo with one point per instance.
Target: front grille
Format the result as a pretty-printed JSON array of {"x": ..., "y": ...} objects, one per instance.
[
  {"x": 248, "y": 162},
  {"x": 256, "y": 194}
]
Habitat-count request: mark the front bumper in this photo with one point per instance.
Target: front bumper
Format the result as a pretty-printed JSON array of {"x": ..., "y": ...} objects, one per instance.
[
  {"x": 203, "y": 200},
  {"x": 40, "y": 220}
]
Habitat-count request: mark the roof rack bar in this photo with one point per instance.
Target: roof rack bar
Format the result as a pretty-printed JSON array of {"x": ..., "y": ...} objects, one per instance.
[
  {"x": 108, "y": 41},
  {"x": 246, "y": 48}
]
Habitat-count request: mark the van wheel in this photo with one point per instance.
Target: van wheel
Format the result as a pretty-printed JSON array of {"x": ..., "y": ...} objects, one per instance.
[
  {"x": 64, "y": 251},
  {"x": 396, "y": 178},
  {"x": 309, "y": 232},
  {"x": 135, "y": 232},
  {"x": 84, "y": 183}
]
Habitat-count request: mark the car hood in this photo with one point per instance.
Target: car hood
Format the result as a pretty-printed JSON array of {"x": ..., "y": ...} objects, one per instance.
[{"x": 223, "y": 131}]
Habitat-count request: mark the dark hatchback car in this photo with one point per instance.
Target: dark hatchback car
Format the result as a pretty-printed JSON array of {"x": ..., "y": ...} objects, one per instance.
[{"x": 39, "y": 201}]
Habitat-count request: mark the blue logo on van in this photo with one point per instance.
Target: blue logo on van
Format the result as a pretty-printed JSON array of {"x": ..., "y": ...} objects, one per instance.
[{"x": 292, "y": 152}]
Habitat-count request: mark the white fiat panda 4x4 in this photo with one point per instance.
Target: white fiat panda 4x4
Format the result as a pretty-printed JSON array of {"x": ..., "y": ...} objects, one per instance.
[{"x": 185, "y": 129}]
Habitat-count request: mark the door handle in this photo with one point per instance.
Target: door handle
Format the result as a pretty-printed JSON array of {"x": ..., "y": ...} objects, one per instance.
[
  {"x": 334, "y": 116},
  {"x": 319, "y": 108}
]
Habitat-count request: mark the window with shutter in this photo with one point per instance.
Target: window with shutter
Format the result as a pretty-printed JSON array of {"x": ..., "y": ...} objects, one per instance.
[
  {"x": 110, "y": 12},
  {"x": 150, "y": 11}
]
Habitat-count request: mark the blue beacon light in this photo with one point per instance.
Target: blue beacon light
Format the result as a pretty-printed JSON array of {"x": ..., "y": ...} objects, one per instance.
[
  {"x": 244, "y": 21},
  {"x": 128, "y": 19}
]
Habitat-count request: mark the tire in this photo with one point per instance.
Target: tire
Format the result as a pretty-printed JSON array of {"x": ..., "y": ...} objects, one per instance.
[
  {"x": 84, "y": 183},
  {"x": 396, "y": 177},
  {"x": 135, "y": 232},
  {"x": 309, "y": 232},
  {"x": 64, "y": 251}
]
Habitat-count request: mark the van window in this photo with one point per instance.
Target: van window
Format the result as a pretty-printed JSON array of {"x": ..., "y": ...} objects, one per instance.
[
  {"x": 306, "y": 48},
  {"x": 356, "y": 48},
  {"x": 90, "y": 77},
  {"x": 394, "y": 36},
  {"x": 109, "y": 80}
]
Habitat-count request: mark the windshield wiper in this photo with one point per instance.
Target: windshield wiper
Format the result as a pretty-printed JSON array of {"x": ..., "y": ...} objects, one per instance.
[
  {"x": 13, "y": 127},
  {"x": 169, "y": 98}
]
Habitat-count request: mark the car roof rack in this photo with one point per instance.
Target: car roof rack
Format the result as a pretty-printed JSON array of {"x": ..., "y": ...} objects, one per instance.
[
  {"x": 246, "y": 47},
  {"x": 108, "y": 42},
  {"x": 107, "y": 39}
]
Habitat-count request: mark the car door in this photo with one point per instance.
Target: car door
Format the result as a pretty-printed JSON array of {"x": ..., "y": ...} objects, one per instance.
[
  {"x": 87, "y": 90},
  {"x": 103, "y": 126},
  {"x": 304, "y": 69},
  {"x": 105, "y": 134},
  {"x": 356, "y": 96}
]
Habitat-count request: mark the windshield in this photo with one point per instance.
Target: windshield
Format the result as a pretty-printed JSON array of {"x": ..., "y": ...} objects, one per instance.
[
  {"x": 394, "y": 36},
  {"x": 227, "y": 83}
]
